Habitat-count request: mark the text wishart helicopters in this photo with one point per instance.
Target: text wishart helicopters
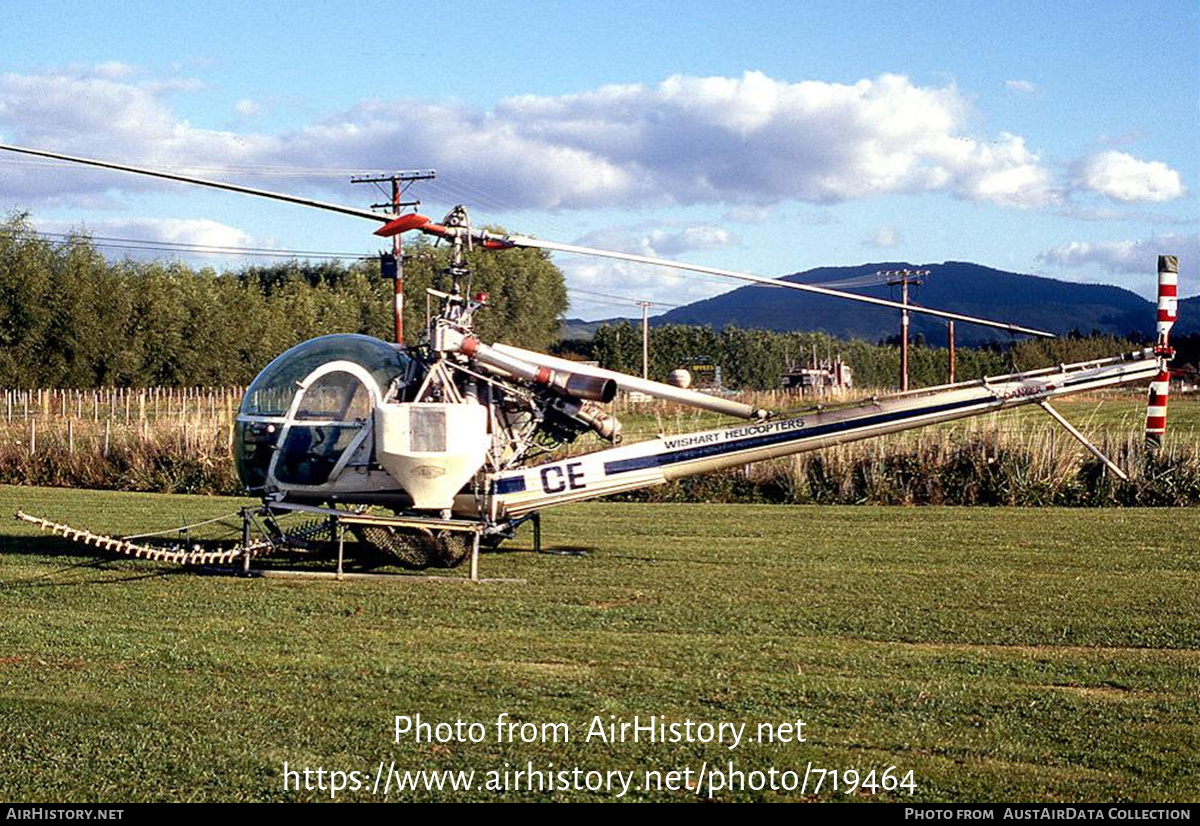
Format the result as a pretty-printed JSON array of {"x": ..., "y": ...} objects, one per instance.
[{"x": 451, "y": 436}]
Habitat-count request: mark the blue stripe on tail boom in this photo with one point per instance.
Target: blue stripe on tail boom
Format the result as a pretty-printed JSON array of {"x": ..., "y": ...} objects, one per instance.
[{"x": 783, "y": 437}]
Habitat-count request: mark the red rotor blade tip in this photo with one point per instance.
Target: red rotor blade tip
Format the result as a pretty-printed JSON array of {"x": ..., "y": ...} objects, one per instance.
[{"x": 402, "y": 224}]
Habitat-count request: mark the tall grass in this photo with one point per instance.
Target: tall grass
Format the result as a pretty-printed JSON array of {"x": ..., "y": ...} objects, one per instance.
[
  {"x": 989, "y": 467},
  {"x": 179, "y": 442},
  {"x": 1018, "y": 457},
  {"x": 170, "y": 440}
]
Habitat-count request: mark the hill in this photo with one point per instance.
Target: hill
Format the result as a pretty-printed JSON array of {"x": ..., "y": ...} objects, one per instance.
[{"x": 972, "y": 289}]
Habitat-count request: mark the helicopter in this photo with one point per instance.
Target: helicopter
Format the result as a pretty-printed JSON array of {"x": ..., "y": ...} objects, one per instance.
[{"x": 455, "y": 437}]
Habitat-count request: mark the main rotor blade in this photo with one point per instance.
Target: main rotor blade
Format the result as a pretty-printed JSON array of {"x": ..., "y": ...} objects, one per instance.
[
  {"x": 394, "y": 226},
  {"x": 523, "y": 241},
  {"x": 187, "y": 179}
]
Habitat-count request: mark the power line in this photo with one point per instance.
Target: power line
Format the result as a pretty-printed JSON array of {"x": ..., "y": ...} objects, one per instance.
[
  {"x": 146, "y": 245},
  {"x": 143, "y": 245},
  {"x": 623, "y": 299}
]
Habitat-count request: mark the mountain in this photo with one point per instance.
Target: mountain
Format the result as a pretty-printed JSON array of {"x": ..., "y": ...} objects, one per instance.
[
  {"x": 1189, "y": 317},
  {"x": 576, "y": 329},
  {"x": 971, "y": 289}
]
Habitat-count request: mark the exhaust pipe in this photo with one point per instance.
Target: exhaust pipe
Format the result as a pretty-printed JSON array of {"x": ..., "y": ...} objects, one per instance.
[
  {"x": 593, "y": 415},
  {"x": 716, "y": 404},
  {"x": 565, "y": 383}
]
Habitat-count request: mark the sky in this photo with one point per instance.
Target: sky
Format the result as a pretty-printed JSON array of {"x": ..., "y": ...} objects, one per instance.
[{"x": 1051, "y": 138}]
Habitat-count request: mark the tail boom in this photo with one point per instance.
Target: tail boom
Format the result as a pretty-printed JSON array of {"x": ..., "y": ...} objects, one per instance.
[{"x": 660, "y": 460}]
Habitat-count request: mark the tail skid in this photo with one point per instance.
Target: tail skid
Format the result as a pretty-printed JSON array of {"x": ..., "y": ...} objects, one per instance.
[{"x": 660, "y": 460}]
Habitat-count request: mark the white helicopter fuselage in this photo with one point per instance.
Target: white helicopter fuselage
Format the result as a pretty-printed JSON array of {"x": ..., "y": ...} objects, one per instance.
[{"x": 431, "y": 456}]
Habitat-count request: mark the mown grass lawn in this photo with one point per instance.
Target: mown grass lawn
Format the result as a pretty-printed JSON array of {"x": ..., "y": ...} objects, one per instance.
[{"x": 998, "y": 654}]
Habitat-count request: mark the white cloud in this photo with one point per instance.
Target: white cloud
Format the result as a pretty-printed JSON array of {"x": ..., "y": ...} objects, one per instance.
[
  {"x": 744, "y": 141},
  {"x": 177, "y": 231},
  {"x": 1131, "y": 258},
  {"x": 642, "y": 281},
  {"x": 92, "y": 114},
  {"x": 1083, "y": 213},
  {"x": 1123, "y": 177},
  {"x": 114, "y": 70},
  {"x": 113, "y": 234},
  {"x": 247, "y": 108},
  {"x": 883, "y": 238},
  {"x": 1021, "y": 87},
  {"x": 748, "y": 214},
  {"x": 658, "y": 239},
  {"x": 758, "y": 140}
]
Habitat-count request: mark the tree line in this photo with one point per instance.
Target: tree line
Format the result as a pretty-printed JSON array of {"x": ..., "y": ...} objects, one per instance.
[
  {"x": 756, "y": 359},
  {"x": 71, "y": 318}
]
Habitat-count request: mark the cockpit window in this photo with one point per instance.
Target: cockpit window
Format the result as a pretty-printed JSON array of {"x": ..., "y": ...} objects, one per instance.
[
  {"x": 332, "y": 411},
  {"x": 310, "y": 453},
  {"x": 272, "y": 392},
  {"x": 336, "y": 396}
]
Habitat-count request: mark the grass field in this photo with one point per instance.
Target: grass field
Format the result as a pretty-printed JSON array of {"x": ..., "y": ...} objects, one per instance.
[{"x": 999, "y": 654}]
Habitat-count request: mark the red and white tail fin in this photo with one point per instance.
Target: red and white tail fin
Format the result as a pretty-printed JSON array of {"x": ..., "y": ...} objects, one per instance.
[{"x": 1156, "y": 405}]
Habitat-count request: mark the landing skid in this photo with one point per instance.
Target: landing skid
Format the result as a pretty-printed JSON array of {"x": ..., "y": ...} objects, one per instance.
[
  {"x": 263, "y": 537},
  {"x": 427, "y": 541}
]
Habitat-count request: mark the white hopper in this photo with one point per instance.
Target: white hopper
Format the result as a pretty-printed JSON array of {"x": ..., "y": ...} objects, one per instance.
[{"x": 432, "y": 450}]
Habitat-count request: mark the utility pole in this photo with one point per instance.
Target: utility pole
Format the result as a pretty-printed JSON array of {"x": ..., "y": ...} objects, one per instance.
[
  {"x": 950, "y": 335},
  {"x": 904, "y": 278},
  {"x": 645, "y": 305},
  {"x": 392, "y": 265}
]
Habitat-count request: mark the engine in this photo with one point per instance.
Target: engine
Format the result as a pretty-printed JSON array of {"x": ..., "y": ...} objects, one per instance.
[{"x": 353, "y": 419}]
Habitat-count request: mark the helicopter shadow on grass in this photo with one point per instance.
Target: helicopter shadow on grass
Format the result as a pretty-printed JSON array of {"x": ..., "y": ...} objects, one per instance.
[
  {"x": 588, "y": 550},
  {"x": 671, "y": 560},
  {"x": 113, "y": 569},
  {"x": 57, "y": 548},
  {"x": 555, "y": 550}
]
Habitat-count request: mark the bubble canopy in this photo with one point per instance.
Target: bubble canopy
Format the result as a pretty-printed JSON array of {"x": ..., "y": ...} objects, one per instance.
[
  {"x": 272, "y": 392},
  {"x": 301, "y": 418}
]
